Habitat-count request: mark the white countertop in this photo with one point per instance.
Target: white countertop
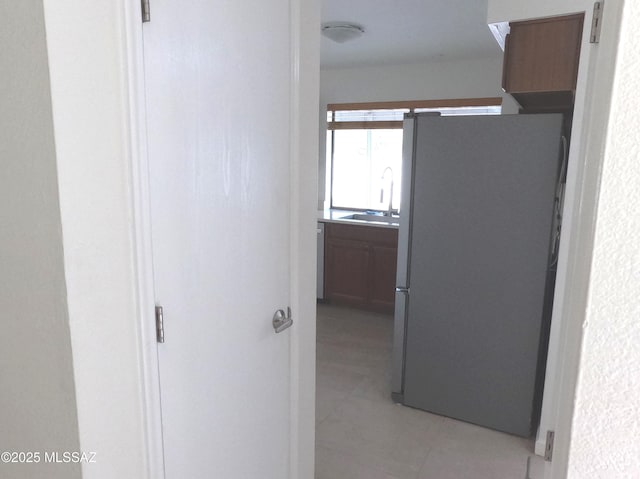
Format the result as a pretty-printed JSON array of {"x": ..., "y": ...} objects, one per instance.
[{"x": 338, "y": 216}]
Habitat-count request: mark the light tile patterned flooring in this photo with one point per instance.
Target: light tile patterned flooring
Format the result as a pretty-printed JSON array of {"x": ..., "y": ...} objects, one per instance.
[{"x": 362, "y": 434}]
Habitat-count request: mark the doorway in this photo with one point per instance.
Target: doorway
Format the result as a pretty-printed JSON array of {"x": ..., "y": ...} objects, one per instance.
[{"x": 580, "y": 110}]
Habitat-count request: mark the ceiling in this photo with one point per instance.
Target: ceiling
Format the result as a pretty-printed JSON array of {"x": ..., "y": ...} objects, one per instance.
[{"x": 408, "y": 31}]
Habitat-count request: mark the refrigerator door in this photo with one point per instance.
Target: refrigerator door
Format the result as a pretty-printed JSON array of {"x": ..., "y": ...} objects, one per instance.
[{"x": 482, "y": 208}]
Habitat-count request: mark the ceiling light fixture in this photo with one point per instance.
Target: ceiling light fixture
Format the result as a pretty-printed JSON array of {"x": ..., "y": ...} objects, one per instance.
[{"x": 341, "y": 32}]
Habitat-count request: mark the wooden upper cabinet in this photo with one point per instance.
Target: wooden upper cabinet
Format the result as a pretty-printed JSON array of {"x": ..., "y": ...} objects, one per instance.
[{"x": 541, "y": 61}]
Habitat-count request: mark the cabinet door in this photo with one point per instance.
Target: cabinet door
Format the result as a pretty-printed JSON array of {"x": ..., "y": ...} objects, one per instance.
[
  {"x": 383, "y": 276},
  {"x": 542, "y": 55},
  {"x": 346, "y": 271}
]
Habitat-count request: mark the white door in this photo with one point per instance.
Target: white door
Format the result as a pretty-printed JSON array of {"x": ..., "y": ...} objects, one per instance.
[{"x": 217, "y": 78}]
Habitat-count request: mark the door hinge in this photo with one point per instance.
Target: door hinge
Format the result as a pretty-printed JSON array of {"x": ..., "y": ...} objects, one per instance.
[
  {"x": 146, "y": 11},
  {"x": 159, "y": 324},
  {"x": 596, "y": 23},
  {"x": 548, "y": 448}
]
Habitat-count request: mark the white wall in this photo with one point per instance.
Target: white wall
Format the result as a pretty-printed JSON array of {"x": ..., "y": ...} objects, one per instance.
[
  {"x": 87, "y": 55},
  {"x": 606, "y": 422},
  {"x": 480, "y": 77},
  {"x": 510, "y": 10},
  {"x": 470, "y": 78},
  {"x": 37, "y": 394}
]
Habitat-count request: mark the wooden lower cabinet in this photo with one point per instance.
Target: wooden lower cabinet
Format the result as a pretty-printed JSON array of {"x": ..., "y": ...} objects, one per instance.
[
  {"x": 346, "y": 271},
  {"x": 360, "y": 266},
  {"x": 382, "y": 276}
]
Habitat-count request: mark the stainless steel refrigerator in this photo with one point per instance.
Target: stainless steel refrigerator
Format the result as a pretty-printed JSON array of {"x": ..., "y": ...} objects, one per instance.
[{"x": 478, "y": 228}]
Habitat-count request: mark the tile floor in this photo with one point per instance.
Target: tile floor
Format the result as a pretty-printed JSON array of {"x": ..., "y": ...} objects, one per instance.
[{"x": 362, "y": 434}]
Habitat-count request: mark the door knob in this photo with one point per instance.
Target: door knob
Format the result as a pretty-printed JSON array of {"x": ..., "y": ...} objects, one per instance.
[{"x": 282, "y": 321}]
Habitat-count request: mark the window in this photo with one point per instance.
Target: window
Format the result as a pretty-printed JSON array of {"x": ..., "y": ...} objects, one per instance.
[
  {"x": 366, "y": 163},
  {"x": 364, "y": 148}
]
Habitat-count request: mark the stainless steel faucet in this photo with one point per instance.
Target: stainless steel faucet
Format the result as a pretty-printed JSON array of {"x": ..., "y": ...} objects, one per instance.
[{"x": 389, "y": 211}]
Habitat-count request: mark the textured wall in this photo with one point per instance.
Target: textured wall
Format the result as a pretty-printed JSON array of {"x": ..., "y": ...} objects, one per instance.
[
  {"x": 37, "y": 395},
  {"x": 606, "y": 425}
]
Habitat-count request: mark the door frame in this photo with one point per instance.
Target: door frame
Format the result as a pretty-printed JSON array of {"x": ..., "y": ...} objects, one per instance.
[
  {"x": 591, "y": 117},
  {"x": 305, "y": 88},
  {"x": 140, "y": 194},
  {"x": 592, "y": 113}
]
